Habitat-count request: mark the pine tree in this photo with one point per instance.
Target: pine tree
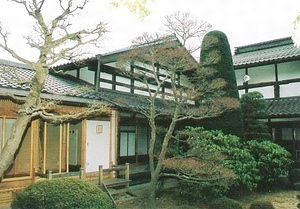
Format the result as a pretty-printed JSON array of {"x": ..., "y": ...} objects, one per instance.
[{"x": 252, "y": 106}]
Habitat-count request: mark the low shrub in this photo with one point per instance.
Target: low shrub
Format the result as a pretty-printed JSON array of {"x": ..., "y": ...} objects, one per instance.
[
  {"x": 200, "y": 179},
  {"x": 62, "y": 193},
  {"x": 261, "y": 205},
  {"x": 225, "y": 203},
  {"x": 272, "y": 160},
  {"x": 204, "y": 143}
]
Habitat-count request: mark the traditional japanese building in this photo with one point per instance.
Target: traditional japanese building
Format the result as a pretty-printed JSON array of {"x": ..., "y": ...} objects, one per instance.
[
  {"x": 273, "y": 69},
  {"x": 117, "y": 135}
]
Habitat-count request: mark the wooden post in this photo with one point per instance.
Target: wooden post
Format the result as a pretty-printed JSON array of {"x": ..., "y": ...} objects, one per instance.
[
  {"x": 81, "y": 173},
  {"x": 60, "y": 147},
  {"x": 45, "y": 147},
  {"x": 33, "y": 175},
  {"x": 127, "y": 175},
  {"x": 111, "y": 174},
  {"x": 67, "y": 147},
  {"x": 49, "y": 175},
  {"x": 100, "y": 174}
]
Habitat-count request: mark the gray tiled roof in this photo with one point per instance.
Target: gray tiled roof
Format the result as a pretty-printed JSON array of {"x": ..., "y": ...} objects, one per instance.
[
  {"x": 270, "y": 51},
  {"x": 283, "y": 107},
  {"x": 16, "y": 76}
]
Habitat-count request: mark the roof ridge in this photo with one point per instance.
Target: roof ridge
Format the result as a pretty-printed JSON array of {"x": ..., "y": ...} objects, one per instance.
[
  {"x": 282, "y": 98},
  {"x": 15, "y": 64},
  {"x": 263, "y": 45}
]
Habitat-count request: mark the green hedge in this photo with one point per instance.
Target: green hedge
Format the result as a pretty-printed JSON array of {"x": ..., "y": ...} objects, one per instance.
[{"x": 63, "y": 193}]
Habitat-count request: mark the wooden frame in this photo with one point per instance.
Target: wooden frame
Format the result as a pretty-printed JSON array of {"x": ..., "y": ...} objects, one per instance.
[{"x": 115, "y": 180}]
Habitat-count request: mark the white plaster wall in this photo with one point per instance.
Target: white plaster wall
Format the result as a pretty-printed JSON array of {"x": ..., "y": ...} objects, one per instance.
[{"x": 97, "y": 145}]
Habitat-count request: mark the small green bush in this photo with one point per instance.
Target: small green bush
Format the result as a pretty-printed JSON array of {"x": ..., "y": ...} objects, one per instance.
[
  {"x": 239, "y": 159},
  {"x": 225, "y": 203},
  {"x": 272, "y": 160},
  {"x": 262, "y": 205},
  {"x": 62, "y": 193},
  {"x": 253, "y": 106}
]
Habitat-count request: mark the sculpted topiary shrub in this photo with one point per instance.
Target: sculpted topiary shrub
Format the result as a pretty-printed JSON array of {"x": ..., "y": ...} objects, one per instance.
[
  {"x": 62, "y": 193},
  {"x": 216, "y": 56}
]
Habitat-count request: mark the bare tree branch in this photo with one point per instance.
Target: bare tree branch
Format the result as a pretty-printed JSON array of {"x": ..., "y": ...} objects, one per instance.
[
  {"x": 55, "y": 40},
  {"x": 187, "y": 28}
]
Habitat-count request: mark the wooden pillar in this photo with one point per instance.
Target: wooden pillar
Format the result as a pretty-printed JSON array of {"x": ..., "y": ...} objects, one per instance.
[
  {"x": 81, "y": 173},
  {"x": 97, "y": 79},
  {"x": 111, "y": 165},
  {"x": 116, "y": 136},
  {"x": 111, "y": 130},
  {"x": 60, "y": 148},
  {"x": 33, "y": 175},
  {"x": 49, "y": 174},
  {"x": 32, "y": 133},
  {"x": 45, "y": 148},
  {"x": 83, "y": 144},
  {"x": 127, "y": 175},
  {"x": 100, "y": 174},
  {"x": 67, "y": 147}
]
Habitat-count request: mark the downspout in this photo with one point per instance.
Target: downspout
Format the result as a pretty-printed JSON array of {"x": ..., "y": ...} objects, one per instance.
[{"x": 97, "y": 82}]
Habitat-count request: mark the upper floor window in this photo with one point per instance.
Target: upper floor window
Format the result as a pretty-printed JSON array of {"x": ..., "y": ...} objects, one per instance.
[
  {"x": 288, "y": 70},
  {"x": 261, "y": 74}
]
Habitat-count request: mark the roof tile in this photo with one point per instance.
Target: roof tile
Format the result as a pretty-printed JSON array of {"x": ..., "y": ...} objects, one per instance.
[
  {"x": 283, "y": 107},
  {"x": 18, "y": 76},
  {"x": 265, "y": 52}
]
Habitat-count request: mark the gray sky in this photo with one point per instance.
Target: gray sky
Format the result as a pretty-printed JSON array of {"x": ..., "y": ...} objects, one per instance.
[{"x": 243, "y": 21}]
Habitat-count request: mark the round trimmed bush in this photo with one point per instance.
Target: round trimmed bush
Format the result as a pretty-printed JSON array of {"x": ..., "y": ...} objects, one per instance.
[
  {"x": 62, "y": 193},
  {"x": 261, "y": 205},
  {"x": 225, "y": 203}
]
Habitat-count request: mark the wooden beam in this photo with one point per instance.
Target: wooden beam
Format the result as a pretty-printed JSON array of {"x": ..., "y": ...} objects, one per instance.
[
  {"x": 270, "y": 83},
  {"x": 72, "y": 99}
]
